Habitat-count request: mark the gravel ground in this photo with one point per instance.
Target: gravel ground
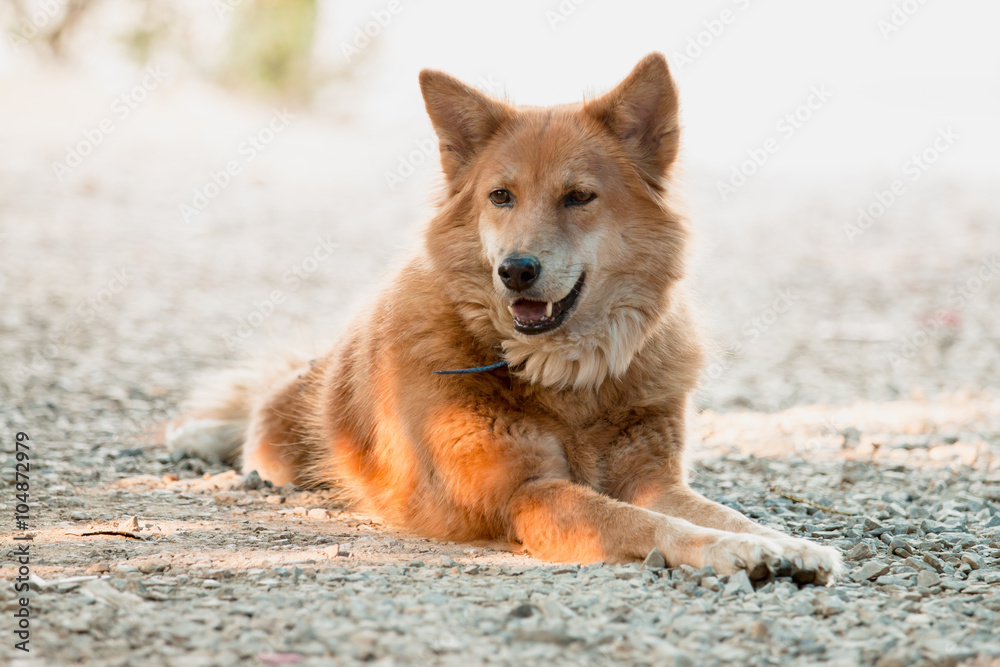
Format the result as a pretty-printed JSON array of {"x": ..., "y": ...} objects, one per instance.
[{"x": 835, "y": 419}]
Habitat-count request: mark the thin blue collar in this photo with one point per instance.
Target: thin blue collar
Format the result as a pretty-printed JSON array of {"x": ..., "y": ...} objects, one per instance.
[{"x": 477, "y": 369}]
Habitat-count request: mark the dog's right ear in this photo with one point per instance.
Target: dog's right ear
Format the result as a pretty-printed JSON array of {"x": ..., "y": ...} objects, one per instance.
[{"x": 463, "y": 118}]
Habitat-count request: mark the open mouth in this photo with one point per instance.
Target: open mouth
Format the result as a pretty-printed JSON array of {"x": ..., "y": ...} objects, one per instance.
[{"x": 535, "y": 317}]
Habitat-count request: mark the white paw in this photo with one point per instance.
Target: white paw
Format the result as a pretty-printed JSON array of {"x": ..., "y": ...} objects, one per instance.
[
  {"x": 802, "y": 560},
  {"x": 811, "y": 563}
]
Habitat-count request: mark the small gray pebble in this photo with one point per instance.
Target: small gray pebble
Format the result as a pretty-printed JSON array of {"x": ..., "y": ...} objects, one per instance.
[
  {"x": 871, "y": 570},
  {"x": 973, "y": 560},
  {"x": 654, "y": 560},
  {"x": 927, "y": 579},
  {"x": 738, "y": 583}
]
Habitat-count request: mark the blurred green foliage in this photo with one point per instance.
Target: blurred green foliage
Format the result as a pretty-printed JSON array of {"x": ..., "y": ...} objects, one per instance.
[{"x": 270, "y": 46}]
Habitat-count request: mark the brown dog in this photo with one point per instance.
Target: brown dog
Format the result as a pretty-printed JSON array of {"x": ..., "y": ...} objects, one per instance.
[{"x": 555, "y": 249}]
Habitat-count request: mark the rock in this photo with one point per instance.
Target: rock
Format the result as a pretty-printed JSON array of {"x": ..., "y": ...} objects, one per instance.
[
  {"x": 129, "y": 524},
  {"x": 926, "y": 579},
  {"x": 973, "y": 560},
  {"x": 522, "y": 611},
  {"x": 900, "y": 547},
  {"x": 933, "y": 561},
  {"x": 250, "y": 482},
  {"x": 870, "y": 570},
  {"x": 930, "y": 526},
  {"x": 829, "y": 605},
  {"x": 80, "y": 516},
  {"x": 953, "y": 584},
  {"x": 711, "y": 583},
  {"x": 739, "y": 583},
  {"x": 654, "y": 561},
  {"x": 318, "y": 513},
  {"x": 889, "y": 580},
  {"x": 861, "y": 551},
  {"x": 871, "y": 527},
  {"x": 102, "y": 591},
  {"x": 153, "y": 567},
  {"x": 921, "y": 620}
]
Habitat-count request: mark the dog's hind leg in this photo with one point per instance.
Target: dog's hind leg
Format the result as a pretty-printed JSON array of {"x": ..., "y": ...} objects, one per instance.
[
  {"x": 275, "y": 446},
  {"x": 254, "y": 413}
]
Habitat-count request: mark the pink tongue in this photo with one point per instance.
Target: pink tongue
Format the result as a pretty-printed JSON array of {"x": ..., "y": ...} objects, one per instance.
[{"x": 528, "y": 311}]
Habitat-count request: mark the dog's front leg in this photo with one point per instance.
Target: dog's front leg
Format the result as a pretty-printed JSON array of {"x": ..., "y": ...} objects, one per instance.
[
  {"x": 559, "y": 520},
  {"x": 806, "y": 560},
  {"x": 646, "y": 470},
  {"x": 680, "y": 500}
]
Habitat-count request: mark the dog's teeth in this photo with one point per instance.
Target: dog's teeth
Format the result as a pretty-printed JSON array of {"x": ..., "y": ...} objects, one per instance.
[
  {"x": 511, "y": 309},
  {"x": 548, "y": 309}
]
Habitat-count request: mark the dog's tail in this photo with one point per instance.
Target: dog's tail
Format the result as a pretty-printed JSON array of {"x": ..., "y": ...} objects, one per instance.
[{"x": 216, "y": 417}]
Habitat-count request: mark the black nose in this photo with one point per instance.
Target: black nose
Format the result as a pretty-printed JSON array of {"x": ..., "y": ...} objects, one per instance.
[{"x": 518, "y": 272}]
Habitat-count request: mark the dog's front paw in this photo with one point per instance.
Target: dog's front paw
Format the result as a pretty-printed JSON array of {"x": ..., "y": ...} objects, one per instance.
[
  {"x": 729, "y": 553},
  {"x": 762, "y": 557},
  {"x": 811, "y": 563}
]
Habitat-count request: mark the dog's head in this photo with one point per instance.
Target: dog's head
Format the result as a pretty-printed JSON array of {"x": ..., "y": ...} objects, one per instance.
[{"x": 555, "y": 238}]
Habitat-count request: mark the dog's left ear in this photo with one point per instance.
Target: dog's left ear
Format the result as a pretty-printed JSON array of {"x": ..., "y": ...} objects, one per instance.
[
  {"x": 642, "y": 111},
  {"x": 463, "y": 118}
]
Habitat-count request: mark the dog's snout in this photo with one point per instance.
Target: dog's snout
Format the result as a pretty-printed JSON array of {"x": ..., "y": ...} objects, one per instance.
[{"x": 519, "y": 272}]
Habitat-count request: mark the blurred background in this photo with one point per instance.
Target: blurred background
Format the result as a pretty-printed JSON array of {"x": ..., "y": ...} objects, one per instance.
[{"x": 183, "y": 184}]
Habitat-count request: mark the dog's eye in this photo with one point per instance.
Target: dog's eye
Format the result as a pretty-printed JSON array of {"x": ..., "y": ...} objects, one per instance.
[
  {"x": 579, "y": 198},
  {"x": 501, "y": 197}
]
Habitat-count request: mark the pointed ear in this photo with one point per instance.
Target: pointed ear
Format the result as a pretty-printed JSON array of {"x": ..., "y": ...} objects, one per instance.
[
  {"x": 463, "y": 118},
  {"x": 642, "y": 112}
]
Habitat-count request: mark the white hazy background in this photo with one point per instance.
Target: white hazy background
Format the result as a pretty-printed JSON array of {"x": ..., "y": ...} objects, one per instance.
[
  {"x": 898, "y": 73},
  {"x": 890, "y": 92},
  {"x": 892, "y": 85}
]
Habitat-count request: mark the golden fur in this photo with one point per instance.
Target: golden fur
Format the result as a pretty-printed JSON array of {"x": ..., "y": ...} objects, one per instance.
[{"x": 575, "y": 450}]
